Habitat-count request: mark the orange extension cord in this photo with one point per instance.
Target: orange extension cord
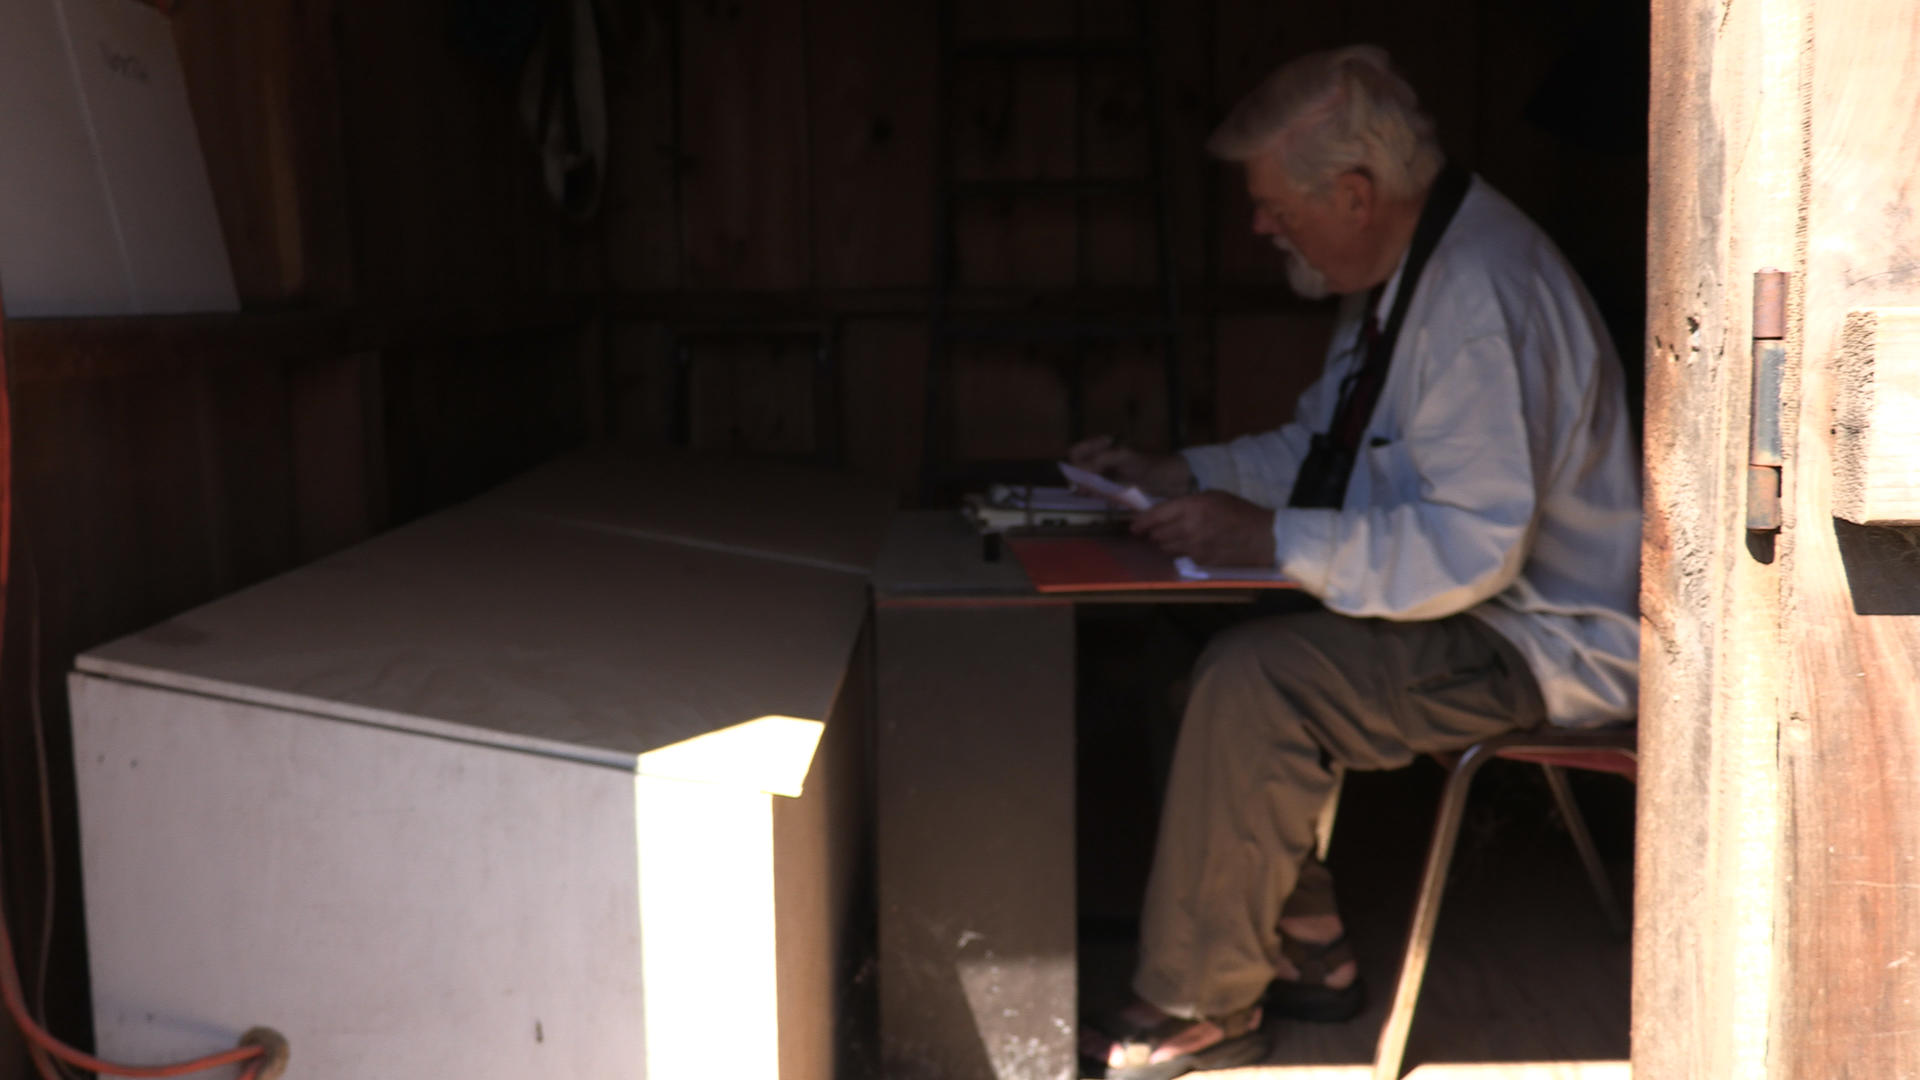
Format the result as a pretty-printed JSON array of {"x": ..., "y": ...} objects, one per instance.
[{"x": 266, "y": 1050}]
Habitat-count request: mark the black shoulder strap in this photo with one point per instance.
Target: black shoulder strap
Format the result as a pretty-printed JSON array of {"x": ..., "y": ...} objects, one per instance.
[
  {"x": 1322, "y": 480},
  {"x": 1443, "y": 201}
]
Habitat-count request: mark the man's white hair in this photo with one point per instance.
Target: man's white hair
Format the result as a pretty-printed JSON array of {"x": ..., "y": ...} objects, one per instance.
[{"x": 1333, "y": 112}]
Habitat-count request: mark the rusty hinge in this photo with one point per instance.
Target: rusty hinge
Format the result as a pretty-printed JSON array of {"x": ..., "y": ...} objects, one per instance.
[{"x": 1764, "y": 456}]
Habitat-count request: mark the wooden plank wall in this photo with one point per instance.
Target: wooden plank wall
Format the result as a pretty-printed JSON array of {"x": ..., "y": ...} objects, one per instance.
[
  {"x": 1849, "y": 747},
  {"x": 780, "y": 165},
  {"x": 413, "y": 333},
  {"x": 1704, "y": 926},
  {"x": 1777, "y": 920}
]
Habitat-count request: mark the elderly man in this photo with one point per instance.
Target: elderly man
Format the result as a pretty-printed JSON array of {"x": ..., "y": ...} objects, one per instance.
[{"x": 1460, "y": 490}]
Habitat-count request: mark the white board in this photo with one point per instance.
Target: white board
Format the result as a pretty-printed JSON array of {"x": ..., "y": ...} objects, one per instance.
[
  {"x": 395, "y": 905},
  {"x": 59, "y": 251},
  {"x": 105, "y": 206},
  {"x": 149, "y": 154}
]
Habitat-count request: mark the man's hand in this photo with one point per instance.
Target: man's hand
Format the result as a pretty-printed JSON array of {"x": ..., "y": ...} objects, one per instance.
[
  {"x": 1213, "y": 527},
  {"x": 1165, "y": 475}
]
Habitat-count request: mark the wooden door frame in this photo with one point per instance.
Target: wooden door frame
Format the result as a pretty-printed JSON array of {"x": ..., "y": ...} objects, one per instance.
[{"x": 1776, "y": 913}]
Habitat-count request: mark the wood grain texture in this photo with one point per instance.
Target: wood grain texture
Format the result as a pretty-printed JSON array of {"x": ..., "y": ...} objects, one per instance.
[
  {"x": 640, "y": 384},
  {"x": 162, "y": 462},
  {"x": 1127, "y": 393},
  {"x": 1723, "y": 177},
  {"x": 1014, "y": 119},
  {"x": 1116, "y": 128},
  {"x": 1849, "y": 746},
  {"x": 1186, "y": 41},
  {"x": 263, "y": 79},
  {"x": 336, "y": 452},
  {"x": 462, "y": 415},
  {"x": 743, "y": 120},
  {"x": 1010, "y": 402},
  {"x": 154, "y": 470},
  {"x": 444, "y": 191},
  {"x": 1264, "y": 363},
  {"x": 1876, "y": 451},
  {"x": 870, "y": 94},
  {"x": 1014, "y": 19},
  {"x": 1121, "y": 247},
  {"x": 1015, "y": 243},
  {"x": 753, "y": 396},
  {"x": 641, "y": 218},
  {"x": 885, "y": 373}
]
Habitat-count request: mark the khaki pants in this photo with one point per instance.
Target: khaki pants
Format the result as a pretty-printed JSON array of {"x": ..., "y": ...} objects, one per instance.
[{"x": 1275, "y": 703}]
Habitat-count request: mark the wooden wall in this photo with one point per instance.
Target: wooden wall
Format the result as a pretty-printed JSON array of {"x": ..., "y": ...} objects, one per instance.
[
  {"x": 777, "y": 166},
  {"x": 417, "y": 326}
]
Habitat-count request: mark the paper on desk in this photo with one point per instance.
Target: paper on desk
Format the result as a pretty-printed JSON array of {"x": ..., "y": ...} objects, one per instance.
[
  {"x": 1125, "y": 495},
  {"x": 1193, "y": 571}
]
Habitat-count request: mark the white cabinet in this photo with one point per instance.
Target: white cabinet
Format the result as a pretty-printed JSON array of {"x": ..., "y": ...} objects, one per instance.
[{"x": 498, "y": 795}]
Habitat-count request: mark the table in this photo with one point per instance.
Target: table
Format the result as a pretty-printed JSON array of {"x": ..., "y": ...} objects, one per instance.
[{"x": 975, "y": 808}]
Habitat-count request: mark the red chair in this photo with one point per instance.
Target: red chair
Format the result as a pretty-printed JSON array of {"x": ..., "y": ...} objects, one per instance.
[{"x": 1609, "y": 749}]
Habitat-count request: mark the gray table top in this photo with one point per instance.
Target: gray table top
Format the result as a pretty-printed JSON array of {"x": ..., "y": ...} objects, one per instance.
[{"x": 937, "y": 553}]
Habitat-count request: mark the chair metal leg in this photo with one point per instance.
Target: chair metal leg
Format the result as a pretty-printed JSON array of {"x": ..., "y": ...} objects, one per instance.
[
  {"x": 1589, "y": 855},
  {"x": 1426, "y": 914}
]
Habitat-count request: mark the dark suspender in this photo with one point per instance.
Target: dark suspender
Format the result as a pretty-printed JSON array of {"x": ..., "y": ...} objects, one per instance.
[{"x": 1323, "y": 476}]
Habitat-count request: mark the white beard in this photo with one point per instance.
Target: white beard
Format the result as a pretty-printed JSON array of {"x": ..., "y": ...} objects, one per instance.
[{"x": 1310, "y": 283}]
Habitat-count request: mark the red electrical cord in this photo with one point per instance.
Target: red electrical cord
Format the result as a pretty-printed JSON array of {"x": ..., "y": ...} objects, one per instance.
[
  {"x": 17, "y": 1008},
  {"x": 260, "y": 1046}
]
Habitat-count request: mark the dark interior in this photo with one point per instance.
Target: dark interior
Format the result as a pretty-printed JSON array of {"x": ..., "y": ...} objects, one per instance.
[{"x": 780, "y": 230}]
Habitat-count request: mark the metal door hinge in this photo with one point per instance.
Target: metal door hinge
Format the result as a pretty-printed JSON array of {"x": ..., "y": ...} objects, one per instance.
[{"x": 1764, "y": 452}]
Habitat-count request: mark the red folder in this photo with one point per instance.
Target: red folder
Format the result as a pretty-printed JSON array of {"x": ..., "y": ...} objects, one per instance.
[{"x": 1104, "y": 563}]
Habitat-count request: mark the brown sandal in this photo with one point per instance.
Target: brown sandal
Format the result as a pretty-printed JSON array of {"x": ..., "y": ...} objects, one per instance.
[
  {"x": 1243, "y": 1042},
  {"x": 1309, "y": 997}
]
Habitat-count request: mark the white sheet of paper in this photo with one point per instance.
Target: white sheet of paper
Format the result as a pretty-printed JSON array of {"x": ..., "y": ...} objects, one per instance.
[
  {"x": 148, "y": 150},
  {"x": 1123, "y": 494},
  {"x": 59, "y": 254}
]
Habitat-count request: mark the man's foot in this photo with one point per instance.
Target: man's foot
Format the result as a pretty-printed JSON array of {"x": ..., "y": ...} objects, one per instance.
[
  {"x": 1317, "y": 977},
  {"x": 1315, "y": 951},
  {"x": 1143, "y": 1043}
]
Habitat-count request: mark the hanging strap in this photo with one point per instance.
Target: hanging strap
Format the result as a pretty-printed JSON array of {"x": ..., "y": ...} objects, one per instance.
[{"x": 1323, "y": 476}]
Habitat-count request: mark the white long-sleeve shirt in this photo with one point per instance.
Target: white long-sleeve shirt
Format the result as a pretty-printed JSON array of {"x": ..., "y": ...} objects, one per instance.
[{"x": 1498, "y": 476}]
